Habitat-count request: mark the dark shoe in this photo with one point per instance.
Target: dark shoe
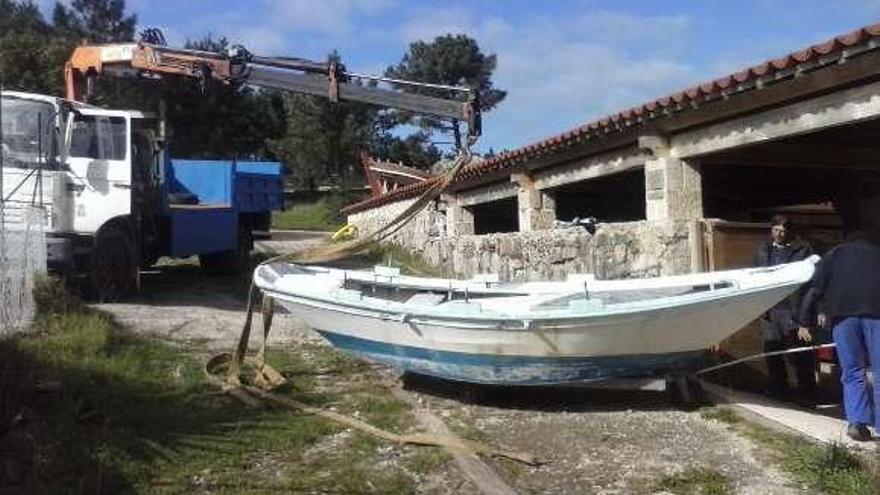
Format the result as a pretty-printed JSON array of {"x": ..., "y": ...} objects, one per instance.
[{"x": 857, "y": 432}]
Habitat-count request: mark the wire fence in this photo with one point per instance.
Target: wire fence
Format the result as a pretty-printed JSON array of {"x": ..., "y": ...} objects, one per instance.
[{"x": 22, "y": 261}]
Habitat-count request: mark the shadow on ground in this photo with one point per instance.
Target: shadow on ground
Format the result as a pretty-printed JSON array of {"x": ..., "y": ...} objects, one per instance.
[
  {"x": 541, "y": 398},
  {"x": 87, "y": 408}
]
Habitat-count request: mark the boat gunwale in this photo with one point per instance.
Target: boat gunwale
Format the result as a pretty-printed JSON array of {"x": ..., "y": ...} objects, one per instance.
[
  {"x": 445, "y": 318},
  {"x": 733, "y": 277},
  {"x": 400, "y": 312}
]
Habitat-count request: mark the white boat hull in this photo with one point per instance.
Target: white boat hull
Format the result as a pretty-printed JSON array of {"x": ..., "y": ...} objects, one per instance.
[{"x": 534, "y": 347}]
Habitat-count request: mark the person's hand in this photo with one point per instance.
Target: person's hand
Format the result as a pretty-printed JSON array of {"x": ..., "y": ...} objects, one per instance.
[
  {"x": 804, "y": 334},
  {"x": 822, "y": 320}
]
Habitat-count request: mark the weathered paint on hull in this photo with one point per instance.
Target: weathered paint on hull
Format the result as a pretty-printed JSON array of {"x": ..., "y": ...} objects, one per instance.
[
  {"x": 513, "y": 340},
  {"x": 514, "y": 370}
]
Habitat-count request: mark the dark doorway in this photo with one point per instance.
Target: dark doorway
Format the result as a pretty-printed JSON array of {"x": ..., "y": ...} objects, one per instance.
[
  {"x": 614, "y": 198},
  {"x": 496, "y": 216}
]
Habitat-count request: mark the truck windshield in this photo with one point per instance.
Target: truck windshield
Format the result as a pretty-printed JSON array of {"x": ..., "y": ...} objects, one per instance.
[{"x": 26, "y": 129}]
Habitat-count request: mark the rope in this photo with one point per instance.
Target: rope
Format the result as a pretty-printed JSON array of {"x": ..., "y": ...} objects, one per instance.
[
  {"x": 266, "y": 378},
  {"x": 761, "y": 355},
  {"x": 255, "y": 395}
]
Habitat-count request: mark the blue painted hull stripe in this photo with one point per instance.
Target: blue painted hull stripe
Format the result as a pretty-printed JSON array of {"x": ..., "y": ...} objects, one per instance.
[{"x": 514, "y": 370}]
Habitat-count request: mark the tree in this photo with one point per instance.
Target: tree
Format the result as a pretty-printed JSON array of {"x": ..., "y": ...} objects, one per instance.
[
  {"x": 322, "y": 139},
  {"x": 415, "y": 150},
  {"x": 217, "y": 120},
  {"x": 98, "y": 21},
  {"x": 31, "y": 53},
  {"x": 452, "y": 60}
]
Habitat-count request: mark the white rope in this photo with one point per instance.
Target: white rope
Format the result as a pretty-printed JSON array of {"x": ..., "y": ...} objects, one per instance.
[{"x": 761, "y": 355}]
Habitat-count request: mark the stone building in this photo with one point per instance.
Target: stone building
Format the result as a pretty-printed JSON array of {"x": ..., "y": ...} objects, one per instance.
[{"x": 678, "y": 184}]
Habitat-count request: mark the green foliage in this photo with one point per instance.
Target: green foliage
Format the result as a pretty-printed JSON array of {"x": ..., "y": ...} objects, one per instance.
[
  {"x": 452, "y": 60},
  {"x": 216, "y": 121},
  {"x": 415, "y": 150},
  {"x": 32, "y": 53},
  {"x": 322, "y": 139},
  {"x": 99, "y": 21},
  {"x": 321, "y": 215},
  {"x": 696, "y": 481},
  {"x": 84, "y": 404}
]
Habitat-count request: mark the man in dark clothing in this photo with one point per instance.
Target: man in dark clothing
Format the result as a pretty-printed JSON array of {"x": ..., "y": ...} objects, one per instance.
[
  {"x": 848, "y": 280},
  {"x": 779, "y": 329}
]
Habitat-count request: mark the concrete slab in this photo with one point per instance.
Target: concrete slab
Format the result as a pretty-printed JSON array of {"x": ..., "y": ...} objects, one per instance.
[{"x": 777, "y": 414}]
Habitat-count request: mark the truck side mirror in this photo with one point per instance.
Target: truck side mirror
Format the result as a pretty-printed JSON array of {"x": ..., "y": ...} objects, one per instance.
[{"x": 67, "y": 137}]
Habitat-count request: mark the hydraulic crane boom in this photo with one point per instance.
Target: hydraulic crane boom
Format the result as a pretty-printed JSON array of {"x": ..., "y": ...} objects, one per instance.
[{"x": 238, "y": 66}]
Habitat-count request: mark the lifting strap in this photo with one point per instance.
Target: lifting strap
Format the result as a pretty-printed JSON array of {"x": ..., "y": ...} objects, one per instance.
[{"x": 266, "y": 378}]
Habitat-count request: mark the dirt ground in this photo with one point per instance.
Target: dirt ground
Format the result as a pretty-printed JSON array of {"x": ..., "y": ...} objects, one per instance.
[{"x": 591, "y": 441}]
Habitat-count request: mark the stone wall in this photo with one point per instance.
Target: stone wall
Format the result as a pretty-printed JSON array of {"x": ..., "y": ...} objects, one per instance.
[{"x": 616, "y": 250}]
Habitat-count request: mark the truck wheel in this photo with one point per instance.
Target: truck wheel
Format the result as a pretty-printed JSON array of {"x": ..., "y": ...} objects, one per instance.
[
  {"x": 113, "y": 265},
  {"x": 233, "y": 261}
]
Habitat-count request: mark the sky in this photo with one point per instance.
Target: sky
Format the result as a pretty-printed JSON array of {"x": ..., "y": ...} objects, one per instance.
[{"x": 563, "y": 63}]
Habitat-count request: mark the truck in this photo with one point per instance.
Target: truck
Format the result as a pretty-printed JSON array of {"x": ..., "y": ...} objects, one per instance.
[{"x": 115, "y": 201}]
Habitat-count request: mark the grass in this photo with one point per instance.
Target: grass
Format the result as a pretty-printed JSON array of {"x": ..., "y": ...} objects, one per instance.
[
  {"x": 831, "y": 469},
  {"x": 696, "y": 481},
  {"x": 410, "y": 263},
  {"x": 86, "y": 407},
  {"x": 425, "y": 461},
  {"x": 322, "y": 214}
]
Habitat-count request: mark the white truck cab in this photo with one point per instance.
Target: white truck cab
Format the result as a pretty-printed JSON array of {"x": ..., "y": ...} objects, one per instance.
[{"x": 73, "y": 161}]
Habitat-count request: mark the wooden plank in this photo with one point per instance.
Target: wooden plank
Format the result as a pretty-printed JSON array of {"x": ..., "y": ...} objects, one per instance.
[
  {"x": 488, "y": 482},
  {"x": 732, "y": 245}
]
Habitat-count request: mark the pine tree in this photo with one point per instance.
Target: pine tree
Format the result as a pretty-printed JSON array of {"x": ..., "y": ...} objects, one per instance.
[{"x": 451, "y": 60}]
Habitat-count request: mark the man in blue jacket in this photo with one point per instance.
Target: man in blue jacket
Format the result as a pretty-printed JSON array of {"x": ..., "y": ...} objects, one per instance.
[
  {"x": 779, "y": 327},
  {"x": 848, "y": 280}
]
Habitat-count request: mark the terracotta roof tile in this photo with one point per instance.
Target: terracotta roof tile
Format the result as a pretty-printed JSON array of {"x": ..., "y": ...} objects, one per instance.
[{"x": 625, "y": 118}]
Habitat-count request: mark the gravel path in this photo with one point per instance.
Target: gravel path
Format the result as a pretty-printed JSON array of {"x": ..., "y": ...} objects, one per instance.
[
  {"x": 178, "y": 302},
  {"x": 601, "y": 442}
]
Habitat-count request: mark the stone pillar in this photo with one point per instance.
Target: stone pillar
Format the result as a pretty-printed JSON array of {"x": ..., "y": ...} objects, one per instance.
[
  {"x": 459, "y": 220},
  {"x": 536, "y": 208},
  {"x": 673, "y": 187}
]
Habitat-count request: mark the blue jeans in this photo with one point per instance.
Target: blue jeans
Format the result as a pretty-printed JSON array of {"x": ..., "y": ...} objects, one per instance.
[{"x": 858, "y": 346}]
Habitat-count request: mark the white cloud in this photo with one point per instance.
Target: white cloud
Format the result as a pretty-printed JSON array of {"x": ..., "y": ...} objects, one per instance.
[
  {"x": 562, "y": 73},
  {"x": 426, "y": 24},
  {"x": 622, "y": 29},
  {"x": 329, "y": 17},
  {"x": 274, "y": 26}
]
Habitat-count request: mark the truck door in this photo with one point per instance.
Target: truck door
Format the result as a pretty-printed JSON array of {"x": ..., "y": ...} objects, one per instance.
[{"x": 99, "y": 168}]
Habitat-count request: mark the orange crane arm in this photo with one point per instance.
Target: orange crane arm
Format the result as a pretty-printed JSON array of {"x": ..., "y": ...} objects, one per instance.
[{"x": 241, "y": 67}]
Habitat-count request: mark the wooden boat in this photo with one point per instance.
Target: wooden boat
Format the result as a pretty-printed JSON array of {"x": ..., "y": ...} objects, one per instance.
[{"x": 483, "y": 331}]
